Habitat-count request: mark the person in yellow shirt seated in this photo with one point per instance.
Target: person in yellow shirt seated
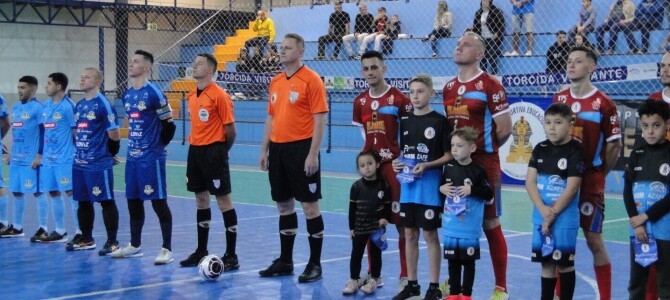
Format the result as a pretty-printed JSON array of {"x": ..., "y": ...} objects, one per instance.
[{"x": 266, "y": 31}]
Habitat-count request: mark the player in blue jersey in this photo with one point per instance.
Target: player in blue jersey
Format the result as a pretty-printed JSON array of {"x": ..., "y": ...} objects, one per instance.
[
  {"x": 553, "y": 179},
  {"x": 647, "y": 201},
  {"x": 424, "y": 142},
  {"x": 96, "y": 143},
  {"x": 26, "y": 158},
  {"x": 58, "y": 156},
  {"x": 466, "y": 189},
  {"x": 150, "y": 130},
  {"x": 4, "y": 128}
]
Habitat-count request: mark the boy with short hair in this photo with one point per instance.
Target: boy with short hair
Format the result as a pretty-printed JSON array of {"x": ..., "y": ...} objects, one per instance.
[
  {"x": 425, "y": 144},
  {"x": 647, "y": 201},
  {"x": 467, "y": 189},
  {"x": 554, "y": 175}
]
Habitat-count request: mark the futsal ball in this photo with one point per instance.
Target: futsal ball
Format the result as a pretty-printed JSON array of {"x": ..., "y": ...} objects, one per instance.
[{"x": 210, "y": 267}]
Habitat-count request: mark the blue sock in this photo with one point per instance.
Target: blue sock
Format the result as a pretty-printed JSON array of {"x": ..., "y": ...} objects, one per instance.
[
  {"x": 58, "y": 211},
  {"x": 75, "y": 219},
  {"x": 42, "y": 210},
  {"x": 19, "y": 206},
  {"x": 4, "y": 218}
]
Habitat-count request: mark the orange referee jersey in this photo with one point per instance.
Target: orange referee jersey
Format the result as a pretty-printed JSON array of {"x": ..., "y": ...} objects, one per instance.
[
  {"x": 209, "y": 113},
  {"x": 293, "y": 103}
]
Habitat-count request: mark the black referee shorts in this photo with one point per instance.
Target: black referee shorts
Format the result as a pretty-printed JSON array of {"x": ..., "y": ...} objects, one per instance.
[
  {"x": 207, "y": 169},
  {"x": 287, "y": 172}
]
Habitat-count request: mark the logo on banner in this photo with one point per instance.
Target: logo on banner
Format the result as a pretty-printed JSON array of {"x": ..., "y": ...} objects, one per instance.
[{"x": 527, "y": 131}]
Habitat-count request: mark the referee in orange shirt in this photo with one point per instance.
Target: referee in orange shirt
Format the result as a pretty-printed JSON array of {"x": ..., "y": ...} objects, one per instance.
[
  {"x": 290, "y": 152},
  {"x": 207, "y": 171}
]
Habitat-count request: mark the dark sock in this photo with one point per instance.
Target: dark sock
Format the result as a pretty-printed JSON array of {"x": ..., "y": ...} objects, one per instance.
[
  {"x": 165, "y": 218},
  {"x": 433, "y": 284},
  {"x": 110, "y": 214},
  {"x": 567, "y": 285},
  {"x": 315, "y": 230},
  {"x": 288, "y": 227},
  {"x": 548, "y": 285},
  {"x": 136, "y": 212},
  {"x": 86, "y": 217},
  {"x": 230, "y": 222},
  {"x": 204, "y": 218}
]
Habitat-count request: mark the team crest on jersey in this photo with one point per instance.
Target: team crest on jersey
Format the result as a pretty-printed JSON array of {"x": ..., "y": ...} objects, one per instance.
[
  {"x": 429, "y": 214},
  {"x": 390, "y": 100},
  {"x": 90, "y": 116},
  {"x": 450, "y": 85},
  {"x": 273, "y": 98},
  {"x": 479, "y": 85},
  {"x": 664, "y": 169},
  {"x": 148, "y": 190},
  {"x": 557, "y": 254},
  {"x": 111, "y": 118},
  {"x": 576, "y": 107},
  {"x": 203, "y": 114},
  {"x": 613, "y": 119},
  {"x": 25, "y": 116},
  {"x": 586, "y": 209},
  {"x": 467, "y": 181},
  {"x": 429, "y": 133},
  {"x": 141, "y": 106},
  {"x": 76, "y": 116},
  {"x": 64, "y": 180},
  {"x": 293, "y": 97},
  {"x": 374, "y": 105},
  {"x": 471, "y": 251},
  {"x": 57, "y": 116},
  {"x": 363, "y": 101},
  {"x": 28, "y": 184},
  {"x": 562, "y": 163},
  {"x": 395, "y": 207},
  {"x": 127, "y": 106},
  {"x": 96, "y": 191},
  {"x": 385, "y": 153},
  {"x": 380, "y": 195},
  {"x": 596, "y": 104},
  {"x": 461, "y": 90},
  {"x": 562, "y": 98}
]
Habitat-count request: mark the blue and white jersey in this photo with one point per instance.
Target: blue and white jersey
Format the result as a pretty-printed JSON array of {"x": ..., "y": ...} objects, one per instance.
[
  {"x": 58, "y": 124},
  {"x": 554, "y": 164},
  {"x": 468, "y": 223},
  {"x": 145, "y": 107},
  {"x": 26, "y": 119},
  {"x": 94, "y": 118},
  {"x": 3, "y": 111},
  {"x": 648, "y": 168}
]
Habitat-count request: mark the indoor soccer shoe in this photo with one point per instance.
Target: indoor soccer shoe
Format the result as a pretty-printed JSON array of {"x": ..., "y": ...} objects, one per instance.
[
  {"x": 2, "y": 227},
  {"x": 39, "y": 236},
  {"x": 278, "y": 268},
  {"x": 11, "y": 232},
  {"x": 110, "y": 246},
  {"x": 128, "y": 251},
  {"x": 81, "y": 245},
  {"x": 230, "y": 262},
  {"x": 193, "y": 259},
  {"x": 164, "y": 257},
  {"x": 312, "y": 273},
  {"x": 499, "y": 294},
  {"x": 75, "y": 239},
  {"x": 370, "y": 286},
  {"x": 433, "y": 293},
  {"x": 408, "y": 292},
  {"x": 379, "y": 281},
  {"x": 352, "y": 286},
  {"x": 55, "y": 237}
]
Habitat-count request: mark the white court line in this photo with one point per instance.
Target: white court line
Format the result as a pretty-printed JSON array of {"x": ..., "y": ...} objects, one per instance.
[{"x": 615, "y": 220}]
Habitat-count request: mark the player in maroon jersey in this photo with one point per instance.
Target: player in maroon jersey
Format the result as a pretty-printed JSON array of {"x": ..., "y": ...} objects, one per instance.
[
  {"x": 476, "y": 99},
  {"x": 597, "y": 129},
  {"x": 378, "y": 111}
]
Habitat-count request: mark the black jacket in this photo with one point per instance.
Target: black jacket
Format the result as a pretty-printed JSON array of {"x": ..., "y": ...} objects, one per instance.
[
  {"x": 557, "y": 55},
  {"x": 495, "y": 22},
  {"x": 364, "y": 23}
]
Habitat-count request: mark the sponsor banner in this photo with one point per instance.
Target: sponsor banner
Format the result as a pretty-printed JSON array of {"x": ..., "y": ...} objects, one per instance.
[{"x": 631, "y": 72}]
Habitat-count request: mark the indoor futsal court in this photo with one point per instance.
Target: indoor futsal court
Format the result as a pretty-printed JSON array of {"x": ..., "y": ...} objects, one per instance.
[{"x": 39, "y": 271}]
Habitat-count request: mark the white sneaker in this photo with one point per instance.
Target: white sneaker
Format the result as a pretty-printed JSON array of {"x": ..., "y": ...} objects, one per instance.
[
  {"x": 164, "y": 257},
  {"x": 370, "y": 286},
  {"x": 352, "y": 286},
  {"x": 379, "y": 281},
  {"x": 512, "y": 53},
  {"x": 529, "y": 53},
  {"x": 128, "y": 251},
  {"x": 402, "y": 283}
]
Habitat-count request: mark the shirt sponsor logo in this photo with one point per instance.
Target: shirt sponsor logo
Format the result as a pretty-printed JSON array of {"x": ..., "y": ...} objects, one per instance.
[
  {"x": 17, "y": 124},
  {"x": 134, "y": 115},
  {"x": 50, "y": 125},
  {"x": 82, "y": 125}
]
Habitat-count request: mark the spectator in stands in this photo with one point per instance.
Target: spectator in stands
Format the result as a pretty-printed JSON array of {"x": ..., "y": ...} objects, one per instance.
[
  {"x": 586, "y": 23},
  {"x": 391, "y": 32},
  {"x": 581, "y": 40},
  {"x": 243, "y": 64},
  {"x": 441, "y": 26},
  {"x": 379, "y": 24},
  {"x": 621, "y": 13},
  {"x": 522, "y": 11},
  {"x": 648, "y": 16},
  {"x": 362, "y": 28},
  {"x": 265, "y": 28},
  {"x": 557, "y": 54},
  {"x": 665, "y": 47},
  {"x": 489, "y": 23},
  {"x": 338, "y": 26},
  {"x": 271, "y": 63}
]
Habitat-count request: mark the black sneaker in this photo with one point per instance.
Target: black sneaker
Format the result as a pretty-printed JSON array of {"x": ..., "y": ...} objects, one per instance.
[
  {"x": 408, "y": 292},
  {"x": 230, "y": 262},
  {"x": 11, "y": 232},
  {"x": 312, "y": 273},
  {"x": 193, "y": 259},
  {"x": 75, "y": 239},
  {"x": 55, "y": 237},
  {"x": 433, "y": 293},
  {"x": 2, "y": 227},
  {"x": 277, "y": 268},
  {"x": 109, "y": 247},
  {"x": 81, "y": 245},
  {"x": 39, "y": 236}
]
